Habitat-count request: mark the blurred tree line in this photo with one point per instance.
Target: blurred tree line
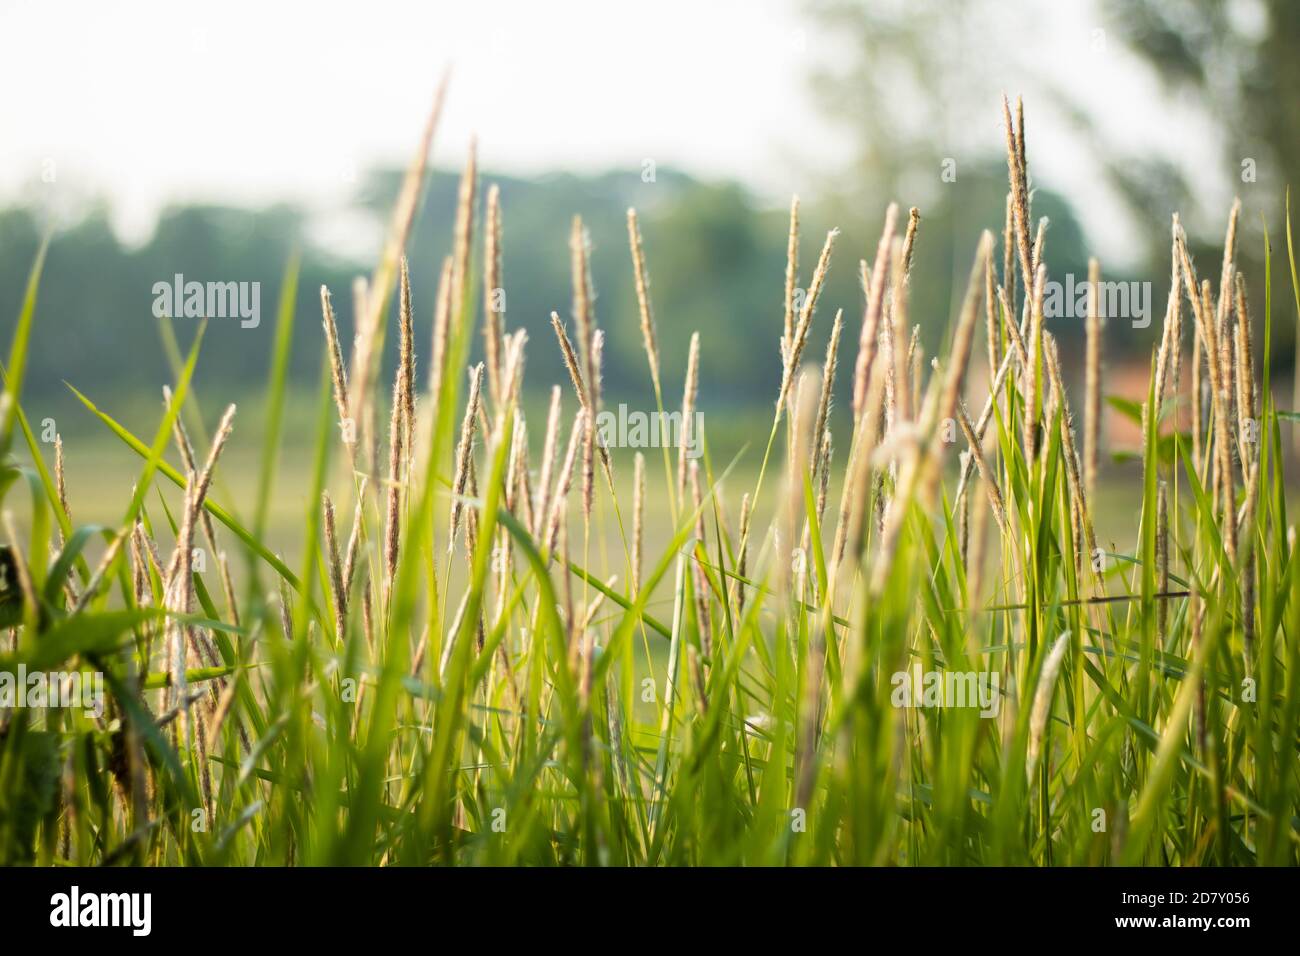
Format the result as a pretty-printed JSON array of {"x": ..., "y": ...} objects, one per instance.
[{"x": 716, "y": 255}]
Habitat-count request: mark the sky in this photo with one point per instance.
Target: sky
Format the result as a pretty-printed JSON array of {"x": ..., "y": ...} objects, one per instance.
[{"x": 147, "y": 102}]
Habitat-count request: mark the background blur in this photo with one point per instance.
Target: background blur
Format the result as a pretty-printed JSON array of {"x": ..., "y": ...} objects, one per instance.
[{"x": 152, "y": 139}]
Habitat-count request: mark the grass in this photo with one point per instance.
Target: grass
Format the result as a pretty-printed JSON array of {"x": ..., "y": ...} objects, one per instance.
[{"x": 491, "y": 645}]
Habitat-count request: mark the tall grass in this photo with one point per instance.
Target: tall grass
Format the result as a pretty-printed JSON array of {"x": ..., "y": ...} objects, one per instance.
[{"x": 460, "y": 671}]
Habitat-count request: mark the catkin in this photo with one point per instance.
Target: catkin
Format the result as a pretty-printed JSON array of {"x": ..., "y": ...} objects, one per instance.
[
  {"x": 1248, "y": 430},
  {"x": 871, "y": 317},
  {"x": 1019, "y": 200},
  {"x": 548, "y": 459},
  {"x": 1092, "y": 381},
  {"x": 393, "y": 520},
  {"x": 464, "y": 453},
  {"x": 60, "y": 479},
  {"x": 570, "y": 361},
  {"x": 638, "y": 520},
  {"x": 898, "y": 342},
  {"x": 828, "y": 384},
  {"x": 589, "y": 444},
  {"x": 795, "y": 346},
  {"x": 338, "y": 594},
  {"x": 690, "y": 392},
  {"x": 648, "y": 337},
  {"x": 494, "y": 317},
  {"x": 407, "y": 366}
]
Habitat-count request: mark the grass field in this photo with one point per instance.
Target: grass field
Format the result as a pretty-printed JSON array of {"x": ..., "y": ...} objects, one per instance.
[{"x": 414, "y": 624}]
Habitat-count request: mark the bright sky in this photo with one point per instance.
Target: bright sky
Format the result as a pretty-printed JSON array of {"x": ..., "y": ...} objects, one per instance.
[{"x": 148, "y": 102}]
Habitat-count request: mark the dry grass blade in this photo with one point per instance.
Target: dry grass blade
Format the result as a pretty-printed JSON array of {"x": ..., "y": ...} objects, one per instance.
[
  {"x": 648, "y": 336},
  {"x": 871, "y": 317},
  {"x": 795, "y": 347},
  {"x": 464, "y": 453}
]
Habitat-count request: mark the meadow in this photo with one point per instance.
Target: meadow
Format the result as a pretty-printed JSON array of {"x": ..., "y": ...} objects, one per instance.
[{"x": 432, "y": 622}]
